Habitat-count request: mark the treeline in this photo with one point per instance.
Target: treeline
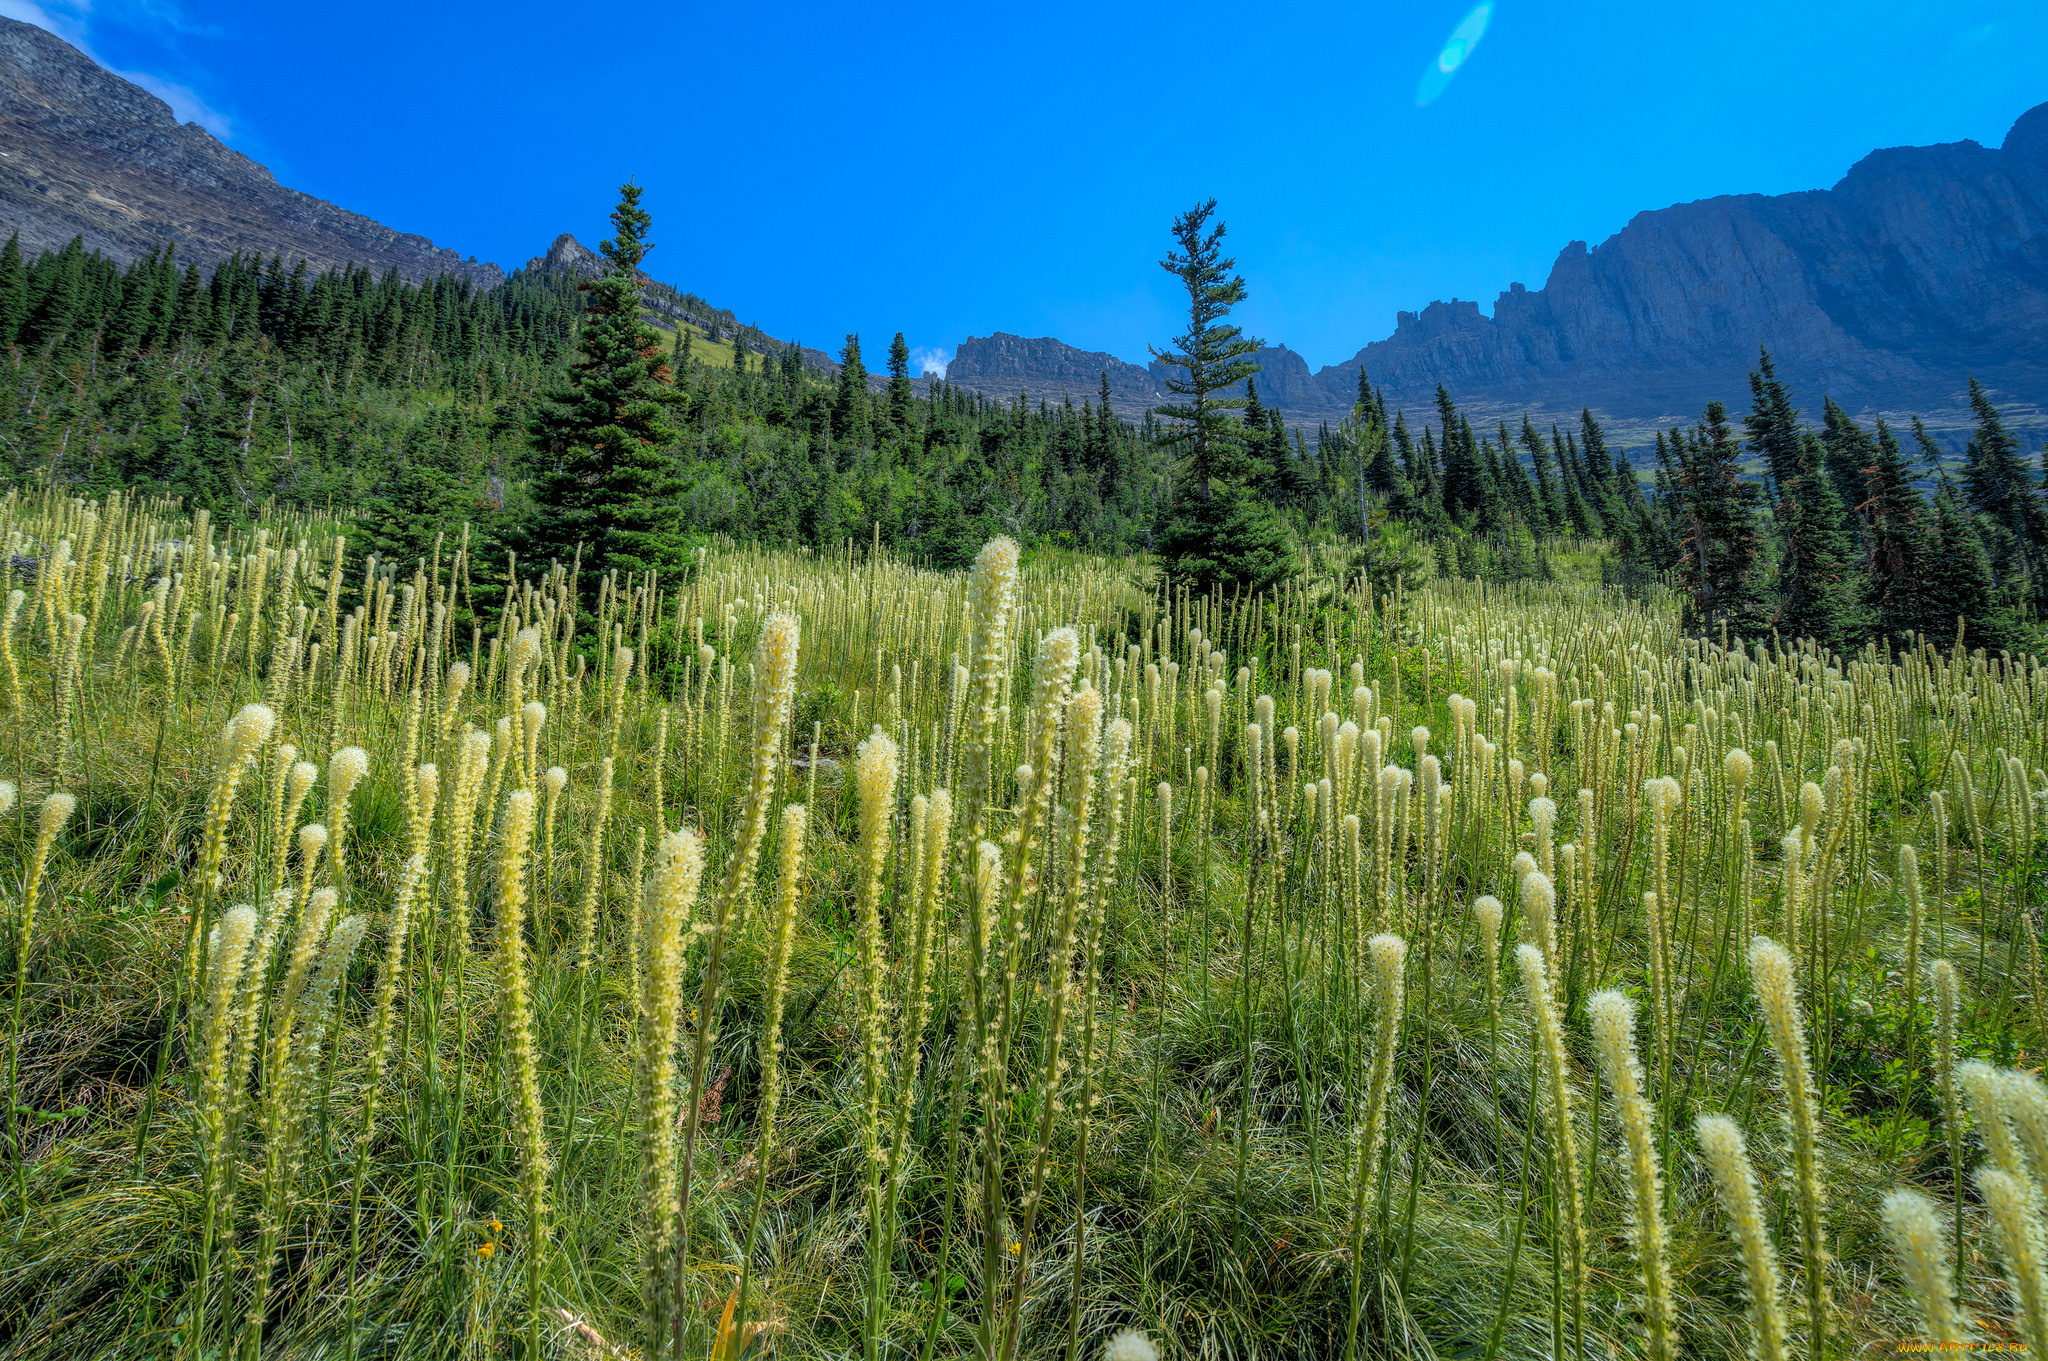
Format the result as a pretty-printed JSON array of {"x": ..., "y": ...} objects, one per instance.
[
  {"x": 418, "y": 408},
  {"x": 1837, "y": 533}
]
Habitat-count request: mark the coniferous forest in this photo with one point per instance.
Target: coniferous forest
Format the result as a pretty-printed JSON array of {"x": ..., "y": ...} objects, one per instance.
[{"x": 414, "y": 410}]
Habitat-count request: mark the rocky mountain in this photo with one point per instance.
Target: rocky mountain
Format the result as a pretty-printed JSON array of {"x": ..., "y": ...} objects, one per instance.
[
  {"x": 1924, "y": 265},
  {"x": 1003, "y": 365},
  {"x": 86, "y": 153},
  {"x": 666, "y": 306}
]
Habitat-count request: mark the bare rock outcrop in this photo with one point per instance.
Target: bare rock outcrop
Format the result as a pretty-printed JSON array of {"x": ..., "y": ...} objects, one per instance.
[{"x": 86, "y": 153}]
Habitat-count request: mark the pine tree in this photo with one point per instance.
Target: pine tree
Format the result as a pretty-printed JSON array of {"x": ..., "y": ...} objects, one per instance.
[
  {"x": 1715, "y": 511},
  {"x": 1465, "y": 488},
  {"x": 1997, "y": 486},
  {"x": 57, "y": 292},
  {"x": 1417, "y": 464},
  {"x": 1382, "y": 472},
  {"x": 851, "y": 411},
  {"x": 1581, "y": 509},
  {"x": 1547, "y": 496},
  {"x": 1957, "y": 592},
  {"x": 13, "y": 290},
  {"x": 902, "y": 397},
  {"x": 607, "y": 481},
  {"x": 1895, "y": 542},
  {"x": 1219, "y": 531},
  {"x": 1849, "y": 452},
  {"x": 1816, "y": 597}
]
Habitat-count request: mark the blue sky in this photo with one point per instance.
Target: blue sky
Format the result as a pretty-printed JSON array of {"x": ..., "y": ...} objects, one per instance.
[{"x": 970, "y": 168}]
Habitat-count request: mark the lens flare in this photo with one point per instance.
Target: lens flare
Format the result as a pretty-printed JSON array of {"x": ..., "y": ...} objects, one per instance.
[{"x": 1457, "y": 50}]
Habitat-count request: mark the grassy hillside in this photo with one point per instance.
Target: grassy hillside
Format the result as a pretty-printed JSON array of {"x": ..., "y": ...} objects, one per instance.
[{"x": 857, "y": 959}]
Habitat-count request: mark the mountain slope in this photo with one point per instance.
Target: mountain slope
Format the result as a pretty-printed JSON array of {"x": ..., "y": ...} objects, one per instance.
[
  {"x": 1922, "y": 266},
  {"x": 83, "y": 152}
]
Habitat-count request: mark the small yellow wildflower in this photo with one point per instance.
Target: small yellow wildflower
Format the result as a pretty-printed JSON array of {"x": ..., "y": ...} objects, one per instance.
[{"x": 486, "y": 1250}]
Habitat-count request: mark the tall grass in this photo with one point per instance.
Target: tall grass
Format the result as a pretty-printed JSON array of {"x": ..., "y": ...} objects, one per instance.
[{"x": 518, "y": 1052}]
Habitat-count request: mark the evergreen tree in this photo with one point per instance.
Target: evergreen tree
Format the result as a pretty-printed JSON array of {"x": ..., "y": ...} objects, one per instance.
[
  {"x": 1546, "y": 490},
  {"x": 1816, "y": 598},
  {"x": 1997, "y": 486},
  {"x": 902, "y": 396},
  {"x": 1382, "y": 472},
  {"x": 13, "y": 290},
  {"x": 605, "y": 442},
  {"x": 1895, "y": 542},
  {"x": 1849, "y": 452},
  {"x": 1581, "y": 508},
  {"x": 851, "y": 418},
  {"x": 1417, "y": 465},
  {"x": 1107, "y": 452},
  {"x": 1715, "y": 511},
  {"x": 1465, "y": 489},
  {"x": 1219, "y": 531},
  {"x": 1957, "y": 591}
]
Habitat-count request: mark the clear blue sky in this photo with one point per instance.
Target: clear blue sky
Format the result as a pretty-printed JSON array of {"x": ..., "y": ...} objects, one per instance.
[{"x": 959, "y": 169}]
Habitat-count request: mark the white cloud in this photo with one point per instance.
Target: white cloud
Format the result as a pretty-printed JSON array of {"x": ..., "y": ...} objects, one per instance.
[
  {"x": 922, "y": 361},
  {"x": 65, "y": 27},
  {"x": 69, "y": 23},
  {"x": 184, "y": 102}
]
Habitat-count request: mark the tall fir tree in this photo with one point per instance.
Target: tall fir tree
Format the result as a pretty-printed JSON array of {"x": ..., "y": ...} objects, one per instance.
[
  {"x": 1997, "y": 486},
  {"x": 13, "y": 290},
  {"x": 1816, "y": 595},
  {"x": 1895, "y": 542},
  {"x": 607, "y": 479},
  {"x": 1721, "y": 544},
  {"x": 1582, "y": 506},
  {"x": 1849, "y": 452},
  {"x": 1219, "y": 531},
  {"x": 1465, "y": 489},
  {"x": 901, "y": 397},
  {"x": 1956, "y": 593},
  {"x": 1546, "y": 490},
  {"x": 852, "y": 418}
]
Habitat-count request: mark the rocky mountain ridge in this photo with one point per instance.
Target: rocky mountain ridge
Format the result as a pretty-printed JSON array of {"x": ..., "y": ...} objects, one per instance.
[
  {"x": 86, "y": 153},
  {"x": 1924, "y": 265}
]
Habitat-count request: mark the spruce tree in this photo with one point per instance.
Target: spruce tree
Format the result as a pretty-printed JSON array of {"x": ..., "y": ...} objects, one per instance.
[
  {"x": 1998, "y": 487},
  {"x": 1850, "y": 452},
  {"x": 1895, "y": 543},
  {"x": 1108, "y": 446},
  {"x": 1582, "y": 506},
  {"x": 607, "y": 450},
  {"x": 1816, "y": 596},
  {"x": 902, "y": 397},
  {"x": 1547, "y": 496},
  {"x": 851, "y": 410},
  {"x": 1465, "y": 487},
  {"x": 1956, "y": 593},
  {"x": 1720, "y": 544},
  {"x": 1218, "y": 531},
  {"x": 13, "y": 290}
]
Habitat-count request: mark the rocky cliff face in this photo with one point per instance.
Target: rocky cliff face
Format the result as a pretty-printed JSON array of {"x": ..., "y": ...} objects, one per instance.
[
  {"x": 1003, "y": 365},
  {"x": 1924, "y": 265},
  {"x": 83, "y": 152}
]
